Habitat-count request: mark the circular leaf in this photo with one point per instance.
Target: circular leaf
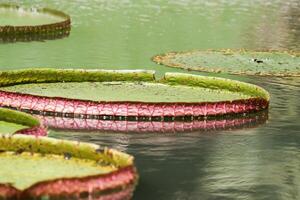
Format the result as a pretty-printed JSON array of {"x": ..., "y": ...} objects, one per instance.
[
  {"x": 262, "y": 63},
  {"x": 38, "y": 167},
  {"x": 101, "y": 93},
  {"x": 26, "y": 24}
]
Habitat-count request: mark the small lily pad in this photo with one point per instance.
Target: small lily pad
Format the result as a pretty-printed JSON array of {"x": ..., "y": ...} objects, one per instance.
[
  {"x": 15, "y": 122},
  {"x": 39, "y": 167},
  {"x": 261, "y": 63},
  {"x": 25, "y": 24},
  {"x": 136, "y": 93}
]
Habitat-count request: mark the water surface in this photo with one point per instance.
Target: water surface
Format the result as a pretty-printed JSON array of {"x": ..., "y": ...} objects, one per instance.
[{"x": 256, "y": 163}]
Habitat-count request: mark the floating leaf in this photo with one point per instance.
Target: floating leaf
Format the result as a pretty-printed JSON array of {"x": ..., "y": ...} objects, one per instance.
[
  {"x": 38, "y": 167},
  {"x": 14, "y": 122},
  {"x": 101, "y": 93},
  {"x": 26, "y": 24},
  {"x": 262, "y": 63}
]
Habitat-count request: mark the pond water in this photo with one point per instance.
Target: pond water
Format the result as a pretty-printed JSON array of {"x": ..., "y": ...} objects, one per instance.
[{"x": 253, "y": 163}]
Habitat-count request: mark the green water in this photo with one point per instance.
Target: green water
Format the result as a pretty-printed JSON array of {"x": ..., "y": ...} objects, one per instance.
[
  {"x": 21, "y": 17},
  {"x": 122, "y": 91},
  {"x": 22, "y": 171},
  {"x": 258, "y": 163},
  {"x": 121, "y": 35}
]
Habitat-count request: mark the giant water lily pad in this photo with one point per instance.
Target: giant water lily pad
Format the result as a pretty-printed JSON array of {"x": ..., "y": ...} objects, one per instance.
[
  {"x": 42, "y": 167},
  {"x": 136, "y": 93},
  {"x": 264, "y": 63},
  {"x": 15, "y": 122},
  {"x": 21, "y": 23},
  {"x": 126, "y": 91}
]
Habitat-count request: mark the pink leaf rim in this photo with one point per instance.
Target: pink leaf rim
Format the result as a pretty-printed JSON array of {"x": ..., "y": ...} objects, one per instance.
[
  {"x": 36, "y": 131},
  {"x": 258, "y": 100},
  {"x": 124, "y": 176},
  {"x": 123, "y": 194},
  {"x": 68, "y": 187}
]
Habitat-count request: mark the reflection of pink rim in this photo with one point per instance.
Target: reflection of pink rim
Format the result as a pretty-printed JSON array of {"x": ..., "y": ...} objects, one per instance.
[
  {"x": 123, "y": 176},
  {"x": 259, "y": 98},
  {"x": 76, "y": 124}
]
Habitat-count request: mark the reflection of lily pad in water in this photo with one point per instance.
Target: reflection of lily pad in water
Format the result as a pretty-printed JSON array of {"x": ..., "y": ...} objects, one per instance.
[
  {"x": 62, "y": 124},
  {"x": 18, "y": 23},
  {"x": 64, "y": 168},
  {"x": 12, "y": 122},
  {"x": 133, "y": 93},
  {"x": 264, "y": 63}
]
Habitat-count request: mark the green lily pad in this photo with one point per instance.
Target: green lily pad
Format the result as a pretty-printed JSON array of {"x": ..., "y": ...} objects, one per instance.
[
  {"x": 10, "y": 128},
  {"x": 127, "y": 93},
  {"x": 263, "y": 63},
  {"x": 25, "y": 24},
  {"x": 19, "y": 169},
  {"x": 12, "y": 121},
  {"x": 36, "y": 167}
]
